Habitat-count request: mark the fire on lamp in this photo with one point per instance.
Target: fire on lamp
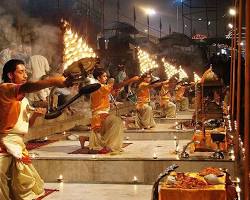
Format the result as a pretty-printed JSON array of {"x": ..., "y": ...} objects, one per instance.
[
  {"x": 60, "y": 178},
  {"x": 170, "y": 70},
  {"x": 146, "y": 61},
  {"x": 196, "y": 78},
  {"x": 75, "y": 47},
  {"x": 135, "y": 179}
]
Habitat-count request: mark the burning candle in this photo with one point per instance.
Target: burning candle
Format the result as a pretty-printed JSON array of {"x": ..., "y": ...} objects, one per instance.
[
  {"x": 33, "y": 156},
  {"x": 176, "y": 125},
  {"x": 237, "y": 180},
  {"x": 135, "y": 180},
  {"x": 155, "y": 155},
  {"x": 238, "y": 190},
  {"x": 176, "y": 144},
  {"x": 60, "y": 178}
]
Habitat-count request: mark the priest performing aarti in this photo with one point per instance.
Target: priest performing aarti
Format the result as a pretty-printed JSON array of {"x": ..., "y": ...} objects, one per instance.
[
  {"x": 168, "y": 108},
  {"x": 19, "y": 178},
  {"x": 107, "y": 134}
]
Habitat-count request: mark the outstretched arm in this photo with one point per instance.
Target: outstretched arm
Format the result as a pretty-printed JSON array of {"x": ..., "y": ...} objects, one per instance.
[
  {"x": 158, "y": 84},
  {"x": 126, "y": 82},
  {"x": 35, "y": 86}
]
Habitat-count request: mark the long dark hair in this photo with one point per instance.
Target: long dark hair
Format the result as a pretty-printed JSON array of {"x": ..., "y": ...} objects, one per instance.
[
  {"x": 98, "y": 72},
  {"x": 10, "y": 67}
]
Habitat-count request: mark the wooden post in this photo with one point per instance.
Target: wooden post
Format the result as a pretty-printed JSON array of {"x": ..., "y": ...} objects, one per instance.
[
  {"x": 238, "y": 80},
  {"x": 247, "y": 102}
]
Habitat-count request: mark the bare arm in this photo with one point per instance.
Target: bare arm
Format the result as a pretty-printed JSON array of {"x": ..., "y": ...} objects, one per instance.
[
  {"x": 126, "y": 82},
  {"x": 158, "y": 84},
  {"x": 34, "y": 86}
]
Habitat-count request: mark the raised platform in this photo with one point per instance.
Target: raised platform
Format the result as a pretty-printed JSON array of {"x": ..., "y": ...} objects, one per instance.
[
  {"x": 160, "y": 132},
  {"x": 72, "y": 191},
  {"x": 141, "y": 161}
]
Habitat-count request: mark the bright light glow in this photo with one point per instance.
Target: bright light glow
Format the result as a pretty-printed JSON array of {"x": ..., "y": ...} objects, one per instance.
[
  {"x": 170, "y": 70},
  {"x": 196, "y": 78},
  {"x": 223, "y": 51},
  {"x": 242, "y": 43},
  {"x": 182, "y": 74},
  {"x": 232, "y": 12},
  {"x": 209, "y": 22},
  {"x": 135, "y": 179},
  {"x": 146, "y": 61},
  {"x": 230, "y": 25},
  {"x": 145, "y": 30},
  {"x": 200, "y": 19},
  {"x": 75, "y": 47},
  {"x": 150, "y": 11}
]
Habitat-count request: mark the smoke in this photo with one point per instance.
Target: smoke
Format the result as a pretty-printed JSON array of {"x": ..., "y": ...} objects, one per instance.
[{"x": 17, "y": 27}]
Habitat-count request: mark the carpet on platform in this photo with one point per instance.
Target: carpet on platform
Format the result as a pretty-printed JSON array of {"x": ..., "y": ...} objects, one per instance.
[
  {"x": 86, "y": 150},
  {"x": 47, "y": 192}
]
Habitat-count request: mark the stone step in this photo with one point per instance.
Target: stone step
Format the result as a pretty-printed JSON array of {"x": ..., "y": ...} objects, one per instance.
[
  {"x": 144, "y": 135},
  {"x": 160, "y": 132},
  {"x": 44, "y": 127},
  {"x": 141, "y": 162},
  {"x": 76, "y": 191}
]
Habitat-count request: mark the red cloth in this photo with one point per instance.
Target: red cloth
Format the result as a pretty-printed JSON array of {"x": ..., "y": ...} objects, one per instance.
[
  {"x": 31, "y": 145},
  {"x": 47, "y": 192}
]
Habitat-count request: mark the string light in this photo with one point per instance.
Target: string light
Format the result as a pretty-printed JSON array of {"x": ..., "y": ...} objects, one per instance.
[
  {"x": 75, "y": 47},
  {"x": 146, "y": 61},
  {"x": 170, "y": 70}
]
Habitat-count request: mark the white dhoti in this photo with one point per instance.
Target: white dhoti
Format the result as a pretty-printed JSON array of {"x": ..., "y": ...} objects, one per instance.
[
  {"x": 5, "y": 163},
  {"x": 111, "y": 135},
  {"x": 168, "y": 109},
  {"x": 25, "y": 183},
  {"x": 144, "y": 117},
  {"x": 182, "y": 104}
]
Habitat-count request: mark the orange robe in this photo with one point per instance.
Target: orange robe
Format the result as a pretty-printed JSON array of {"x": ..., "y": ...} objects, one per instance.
[
  {"x": 100, "y": 105},
  {"x": 143, "y": 95},
  {"x": 107, "y": 129}
]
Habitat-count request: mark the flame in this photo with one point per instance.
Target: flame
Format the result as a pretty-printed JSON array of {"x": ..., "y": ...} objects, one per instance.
[
  {"x": 196, "y": 78},
  {"x": 182, "y": 74},
  {"x": 75, "y": 47},
  {"x": 170, "y": 70},
  {"x": 146, "y": 61}
]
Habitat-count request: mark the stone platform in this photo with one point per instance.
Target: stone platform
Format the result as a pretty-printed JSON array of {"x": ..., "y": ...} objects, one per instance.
[
  {"x": 160, "y": 132},
  {"x": 76, "y": 191},
  {"x": 141, "y": 162}
]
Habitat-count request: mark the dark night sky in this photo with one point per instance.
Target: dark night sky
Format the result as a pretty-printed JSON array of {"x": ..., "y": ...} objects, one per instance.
[{"x": 167, "y": 10}]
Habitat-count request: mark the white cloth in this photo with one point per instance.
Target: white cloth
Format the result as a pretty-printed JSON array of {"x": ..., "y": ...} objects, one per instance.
[
  {"x": 22, "y": 125},
  {"x": 5, "y": 56},
  {"x": 38, "y": 66}
]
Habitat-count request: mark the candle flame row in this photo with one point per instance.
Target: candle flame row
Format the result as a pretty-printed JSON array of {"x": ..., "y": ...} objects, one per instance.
[
  {"x": 170, "y": 70},
  {"x": 146, "y": 61},
  {"x": 196, "y": 78},
  {"x": 182, "y": 74},
  {"x": 75, "y": 47}
]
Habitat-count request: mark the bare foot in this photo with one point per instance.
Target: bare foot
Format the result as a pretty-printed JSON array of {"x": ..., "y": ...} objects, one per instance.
[{"x": 82, "y": 140}]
